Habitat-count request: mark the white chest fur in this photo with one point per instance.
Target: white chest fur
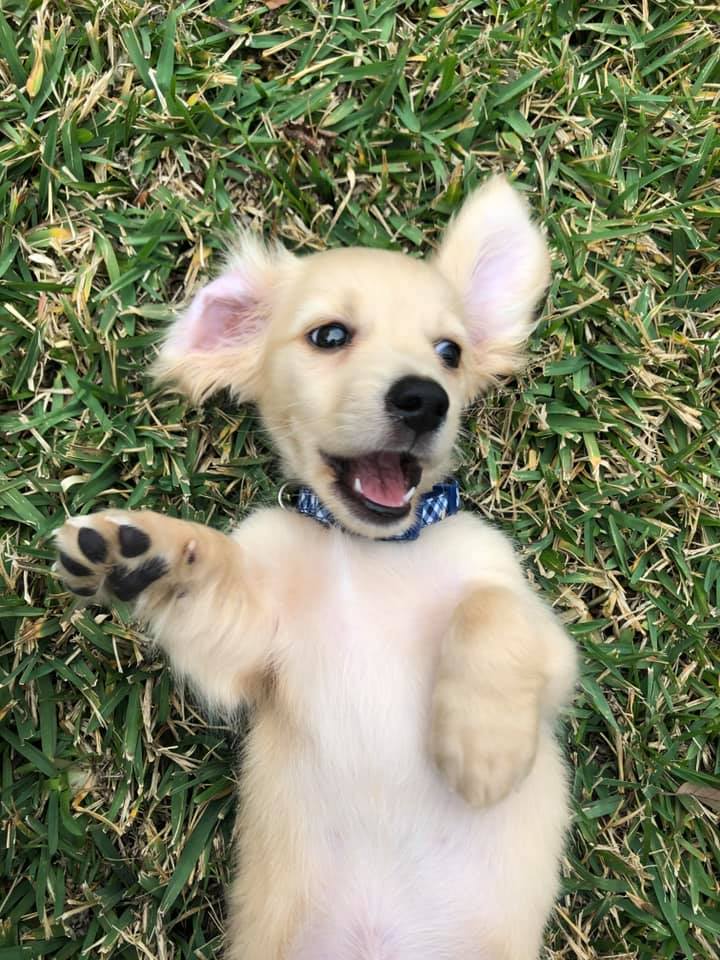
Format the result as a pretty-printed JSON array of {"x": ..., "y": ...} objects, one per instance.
[{"x": 378, "y": 838}]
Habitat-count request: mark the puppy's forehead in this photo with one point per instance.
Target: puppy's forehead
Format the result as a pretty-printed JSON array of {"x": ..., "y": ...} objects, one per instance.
[{"x": 359, "y": 282}]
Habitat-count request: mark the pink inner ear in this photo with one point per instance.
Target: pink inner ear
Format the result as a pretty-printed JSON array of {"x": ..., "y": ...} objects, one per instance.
[
  {"x": 495, "y": 298},
  {"x": 224, "y": 313},
  {"x": 490, "y": 289},
  {"x": 222, "y": 322}
]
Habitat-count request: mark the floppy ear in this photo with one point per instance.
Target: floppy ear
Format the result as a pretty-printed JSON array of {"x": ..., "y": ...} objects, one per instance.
[
  {"x": 218, "y": 341},
  {"x": 498, "y": 262}
]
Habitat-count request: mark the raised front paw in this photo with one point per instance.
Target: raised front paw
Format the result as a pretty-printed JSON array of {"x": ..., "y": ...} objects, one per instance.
[
  {"x": 486, "y": 703},
  {"x": 483, "y": 749},
  {"x": 120, "y": 554}
]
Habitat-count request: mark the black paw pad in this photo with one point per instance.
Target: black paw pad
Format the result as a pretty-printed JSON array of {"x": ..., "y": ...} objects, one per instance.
[
  {"x": 128, "y": 584},
  {"x": 133, "y": 542},
  {"x": 74, "y": 568},
  {"x": 92, "y": 545}
]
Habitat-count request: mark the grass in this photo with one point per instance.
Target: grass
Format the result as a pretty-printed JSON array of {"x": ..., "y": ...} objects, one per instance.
[{"x": 133, "y": 140}]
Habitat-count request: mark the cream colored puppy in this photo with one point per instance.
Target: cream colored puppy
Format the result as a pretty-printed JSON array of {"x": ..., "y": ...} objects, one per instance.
[{"x": 403, "y": 794}]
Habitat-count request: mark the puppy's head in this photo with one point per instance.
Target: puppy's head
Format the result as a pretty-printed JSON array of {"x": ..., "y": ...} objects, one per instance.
[{"x": 361, "y": 361}]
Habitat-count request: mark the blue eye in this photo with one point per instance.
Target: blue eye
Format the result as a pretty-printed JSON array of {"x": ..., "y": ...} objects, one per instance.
[
  {"x": 330, "y": 336},
  {"x": 448, "y": 352}
]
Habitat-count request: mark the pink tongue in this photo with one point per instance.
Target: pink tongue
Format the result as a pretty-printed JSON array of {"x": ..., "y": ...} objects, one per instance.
[{"x": 382, "y": 478}]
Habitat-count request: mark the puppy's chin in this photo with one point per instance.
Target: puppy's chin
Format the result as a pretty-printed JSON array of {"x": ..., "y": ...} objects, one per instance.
[
  {"x": 356, "y": 521},
  {"x": 374, "y": 495}
]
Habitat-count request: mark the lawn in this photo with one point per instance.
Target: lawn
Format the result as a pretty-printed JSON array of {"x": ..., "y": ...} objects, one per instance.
[{"x": 135, "y": 136}]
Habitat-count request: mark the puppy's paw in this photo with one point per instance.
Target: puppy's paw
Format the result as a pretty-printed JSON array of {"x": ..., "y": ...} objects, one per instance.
[
  {"x": 484, "y": 747},
  {"x": 121, "y": 555},
  {"x": 486, "y": 703}
]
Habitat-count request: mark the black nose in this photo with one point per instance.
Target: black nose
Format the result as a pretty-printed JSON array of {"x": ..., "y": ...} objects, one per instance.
[{"x": 420, "y": 404}]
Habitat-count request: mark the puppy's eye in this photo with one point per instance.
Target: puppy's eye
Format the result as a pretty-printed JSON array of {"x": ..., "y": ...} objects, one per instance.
[
  {"x": 330, "y": 336},
  {"x": 449, "y": 352}
]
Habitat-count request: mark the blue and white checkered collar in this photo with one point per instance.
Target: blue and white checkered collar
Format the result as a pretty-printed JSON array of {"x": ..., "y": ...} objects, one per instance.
[{"x": 435, "y": 505}]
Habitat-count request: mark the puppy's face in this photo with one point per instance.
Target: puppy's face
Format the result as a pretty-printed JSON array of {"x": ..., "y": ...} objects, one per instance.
[
  {"x": 363, "y": 380},
  {"x": 360, "y": 360}
]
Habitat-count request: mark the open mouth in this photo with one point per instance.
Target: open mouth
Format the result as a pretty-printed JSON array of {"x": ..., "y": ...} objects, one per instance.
[{"x": 379, "y": 487}]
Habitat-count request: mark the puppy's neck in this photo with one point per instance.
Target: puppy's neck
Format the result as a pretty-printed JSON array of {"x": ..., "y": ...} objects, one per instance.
[{"x": 437, "y": 504}]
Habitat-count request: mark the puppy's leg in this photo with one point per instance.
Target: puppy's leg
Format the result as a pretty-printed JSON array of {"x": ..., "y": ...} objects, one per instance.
[
  {"x": 505, "y": 667},
  {"x": 190, "y": 584}
]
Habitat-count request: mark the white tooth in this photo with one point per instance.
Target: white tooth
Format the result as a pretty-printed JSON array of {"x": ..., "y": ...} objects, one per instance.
[
  {"x": 409, "y": 495},
  {"x": 357, "y": 486}
]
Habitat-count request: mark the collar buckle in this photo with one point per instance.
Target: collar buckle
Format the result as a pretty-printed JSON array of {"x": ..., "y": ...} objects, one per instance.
[{"x": 288, "y": 494}]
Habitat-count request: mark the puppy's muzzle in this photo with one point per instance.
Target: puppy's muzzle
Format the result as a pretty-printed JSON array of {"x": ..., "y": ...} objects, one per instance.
[{"x": 419, "y": 403}]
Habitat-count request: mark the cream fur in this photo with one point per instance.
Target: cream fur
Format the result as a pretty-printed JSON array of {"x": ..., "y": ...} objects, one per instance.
[{"x": 403, "y": 795}]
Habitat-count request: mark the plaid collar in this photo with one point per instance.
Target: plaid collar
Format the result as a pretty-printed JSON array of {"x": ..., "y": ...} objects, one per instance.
[{"x": 440, "y": 502}]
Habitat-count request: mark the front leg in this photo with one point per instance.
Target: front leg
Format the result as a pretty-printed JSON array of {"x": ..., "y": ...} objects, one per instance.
[
  {"x": 190, "y": 584},
  {"x": 506, "y": 667}
]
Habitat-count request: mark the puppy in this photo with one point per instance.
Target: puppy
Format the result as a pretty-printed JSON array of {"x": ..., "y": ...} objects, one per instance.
[{"x": 403, "y": 794}]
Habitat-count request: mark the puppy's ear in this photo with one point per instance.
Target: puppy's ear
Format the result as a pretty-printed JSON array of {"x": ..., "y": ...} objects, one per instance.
[
  {"x": 498, "y": 262},
  {"x": 219, "y": 339}
]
